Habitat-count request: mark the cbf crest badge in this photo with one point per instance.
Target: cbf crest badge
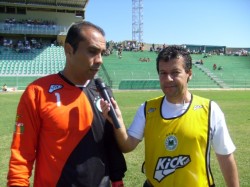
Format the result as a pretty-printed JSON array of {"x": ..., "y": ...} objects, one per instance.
[{"x": 171, "y": 142}]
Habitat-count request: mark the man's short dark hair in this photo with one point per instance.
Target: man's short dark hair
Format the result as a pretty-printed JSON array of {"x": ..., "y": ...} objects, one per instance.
[
  {"x": 74, "y": 35},
  {"x": 174, "y": 52}
]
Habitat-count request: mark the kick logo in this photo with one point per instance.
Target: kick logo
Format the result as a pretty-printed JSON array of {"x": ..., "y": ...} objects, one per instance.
[{"x": 167, "y": 165}]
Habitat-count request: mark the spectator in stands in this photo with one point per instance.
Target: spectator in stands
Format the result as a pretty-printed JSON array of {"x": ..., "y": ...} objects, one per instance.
[
  {"x": 220, "y": 68},
  {"x": 199, "y": 62},
  {"x": 178, "y": 129},
  {"x": 106, "y": 52},
  {"x": 205, "y": 56},
  {"x": 214, "y": 67},
  {"x": 158, "y": 49},
  {"x": 144, "y": 59},
  {"x": 133, "y": 46},
  {"x": 141, "y": 47},
  {"x": 153, "y": 47},
  {"x": 4, "y": 88},
  {"x": 59, "y": 126},
  {"x": 120, "y": 51}
]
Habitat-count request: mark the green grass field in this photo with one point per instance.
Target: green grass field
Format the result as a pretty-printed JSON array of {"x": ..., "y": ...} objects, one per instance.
[{"x": 235, "y": 104}]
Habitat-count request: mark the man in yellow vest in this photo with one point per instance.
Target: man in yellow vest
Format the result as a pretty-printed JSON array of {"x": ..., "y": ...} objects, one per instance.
[{"x": 178, "y": 128}]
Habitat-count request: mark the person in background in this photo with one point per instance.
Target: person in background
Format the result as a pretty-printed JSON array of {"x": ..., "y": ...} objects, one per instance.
[
  {"x": 214, "y": 67},
  {"x": 178, "y": 129},
  {"x": 4, "y": 88},
  {"x": 59, "y": 125}
]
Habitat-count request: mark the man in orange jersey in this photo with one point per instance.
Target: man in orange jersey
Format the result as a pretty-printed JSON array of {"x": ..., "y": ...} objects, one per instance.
[
  {"x": 178, "y": 129},
  {"x": 59, "y": 125}
]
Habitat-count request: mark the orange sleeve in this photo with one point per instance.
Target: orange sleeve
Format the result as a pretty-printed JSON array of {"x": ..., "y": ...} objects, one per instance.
[{"x": 23, "y": 148}]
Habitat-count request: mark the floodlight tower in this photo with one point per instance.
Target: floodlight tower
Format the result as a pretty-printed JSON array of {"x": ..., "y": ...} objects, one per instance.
[{"x": 137, "y": 20}]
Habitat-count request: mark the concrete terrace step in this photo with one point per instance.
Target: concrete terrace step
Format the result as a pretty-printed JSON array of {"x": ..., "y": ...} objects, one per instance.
[{"x": 210, "y": 74}]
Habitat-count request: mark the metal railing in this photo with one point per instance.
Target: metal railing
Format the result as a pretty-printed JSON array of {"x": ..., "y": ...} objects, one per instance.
[
  {"x": 20, "y": 82},
  {"x": 17, "y": 28}
]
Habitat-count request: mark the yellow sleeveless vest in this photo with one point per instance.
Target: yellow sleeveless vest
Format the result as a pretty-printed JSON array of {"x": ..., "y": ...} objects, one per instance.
[{"x": 177, "y": 150}]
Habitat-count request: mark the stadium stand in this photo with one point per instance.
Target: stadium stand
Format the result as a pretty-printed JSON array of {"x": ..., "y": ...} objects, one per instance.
[
  {"x": 48, "y": 19},
  {"x": 33, "y": 33},
  {"x": 233, "y": 71},
  {"x": 39, "y": 62},
  {"x": 18, "y": 69},
  {"x": 129, "y": 73}
]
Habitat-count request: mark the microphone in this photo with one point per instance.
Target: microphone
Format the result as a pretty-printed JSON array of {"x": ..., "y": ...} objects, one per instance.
[{"x": 101, "y": 87}]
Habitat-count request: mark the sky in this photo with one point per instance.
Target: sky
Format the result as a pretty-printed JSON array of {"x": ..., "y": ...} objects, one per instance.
[{"x": 197, "y": 22}]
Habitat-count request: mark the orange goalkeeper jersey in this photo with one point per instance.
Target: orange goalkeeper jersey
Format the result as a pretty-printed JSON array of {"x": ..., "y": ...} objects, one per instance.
[{"x": 59, "y": 127}]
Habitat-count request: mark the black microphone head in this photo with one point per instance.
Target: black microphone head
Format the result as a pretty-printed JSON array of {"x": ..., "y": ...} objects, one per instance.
[{"x": 100, "y": 84}]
